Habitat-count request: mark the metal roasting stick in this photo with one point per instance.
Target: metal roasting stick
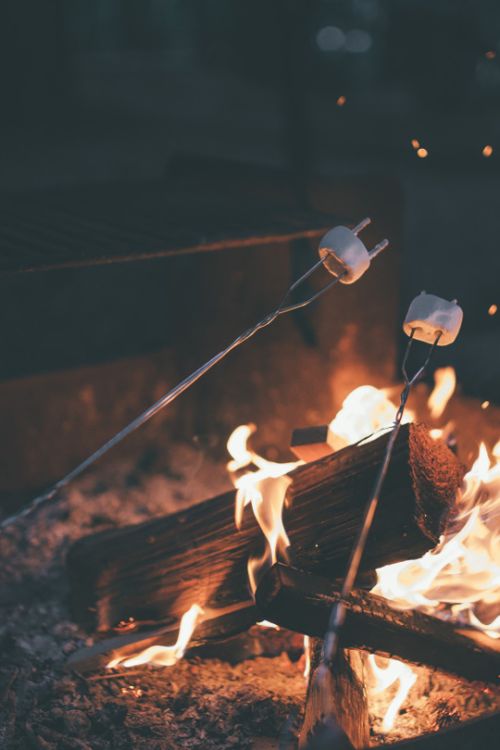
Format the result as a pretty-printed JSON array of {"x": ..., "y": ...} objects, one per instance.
[
  {"x": 283, "y": 308},
  {"x": 436, "y": 322},
  {"x": 338, "y": 613}
]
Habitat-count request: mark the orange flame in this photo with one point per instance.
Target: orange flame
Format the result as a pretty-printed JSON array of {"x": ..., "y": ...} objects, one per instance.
[
  {"x": 445, "y": 381},
  {"x": 165, "y": 656},
  {"x": 265, "y": 489}
]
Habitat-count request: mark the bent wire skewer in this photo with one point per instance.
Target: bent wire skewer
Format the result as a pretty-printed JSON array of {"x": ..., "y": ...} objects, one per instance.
[
  {"x": 436, "y": 322},
  {"x": 344, "y": 256}
]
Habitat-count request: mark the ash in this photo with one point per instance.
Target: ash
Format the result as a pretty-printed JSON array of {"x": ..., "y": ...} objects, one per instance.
[{"x": 200, "y": 702}]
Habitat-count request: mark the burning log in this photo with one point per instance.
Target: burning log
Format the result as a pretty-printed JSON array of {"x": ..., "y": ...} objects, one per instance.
[
  {"x": 478, "y": 733},
  {"x": 154, "y": 571},
  {"x": 302, "y": 602},
  {"x": 346, "y": 702},
  {"x": 226, "y": 624}
]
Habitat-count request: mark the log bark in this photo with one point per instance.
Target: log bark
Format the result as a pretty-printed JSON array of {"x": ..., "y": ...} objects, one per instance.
[
  {"x": 156, "y": 570},
  {"x": 302, "y": 602},
  {"x": 345, "y": 702}
]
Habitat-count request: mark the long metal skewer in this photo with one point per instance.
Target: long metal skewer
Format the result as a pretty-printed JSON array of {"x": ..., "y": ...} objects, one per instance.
[
  {"x": 282, "y": 309},
  {"x": 338, "y": 613}
]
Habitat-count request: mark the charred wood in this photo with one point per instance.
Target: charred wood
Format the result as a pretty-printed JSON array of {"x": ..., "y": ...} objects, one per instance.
[
  {"x": 156, "y": 570},
  {"x": 469, "y": 735},
  {"x": 302, "y": 602}
]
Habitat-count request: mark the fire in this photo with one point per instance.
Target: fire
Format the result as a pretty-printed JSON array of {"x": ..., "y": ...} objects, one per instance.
[
  {"x": 365, "y": 412},
  {"x": 307, "y": 657},
  {"x": 460, "y": 579},
  {"x": 394, "y": 671},
  {"x": 165, "y": 656},
  {"x": 265, "y": 489},
  {"x": 445, "y": 381}
]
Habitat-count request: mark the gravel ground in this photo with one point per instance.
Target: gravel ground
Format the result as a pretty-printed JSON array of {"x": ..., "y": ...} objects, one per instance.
[{"x": 198, "y": 703}]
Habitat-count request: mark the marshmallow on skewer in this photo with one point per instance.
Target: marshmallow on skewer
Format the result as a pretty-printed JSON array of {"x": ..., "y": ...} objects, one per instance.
[
  {"x": 344, "y": 255},
  {"x": 430, "y": 316}
]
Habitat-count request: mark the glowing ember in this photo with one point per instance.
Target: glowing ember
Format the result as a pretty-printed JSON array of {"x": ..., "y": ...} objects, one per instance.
[
  {"x": 492, "y": 309},
  {"x": 264, "y": 488},
  {"x": 487, "y": 151},
  {"x": 445, "y": 382},
  {"x": 415, "y": 144},
  {"x": 165, "y": 656},
  {"x": 394, "y": 671},
  {"x": 422, "y": 153},
  {"x": 341, "y": 101},
  {"x": 485, "y": 404}
]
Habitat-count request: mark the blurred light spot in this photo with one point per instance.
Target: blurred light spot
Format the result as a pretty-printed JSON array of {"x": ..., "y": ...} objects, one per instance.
[
  {"x": 487, "y": 151},
  {"x": 415, "y": 143},
  {"x": 341, "y": 101},
  {"x": 358, "y": 41},
  {"x": 490, "y": 55},
  {"x": 422, "y": 153},
  {"x": 492, "y": 309},
  {"x": 485, "y": 404},
  {"x": 330, "y": 39}
]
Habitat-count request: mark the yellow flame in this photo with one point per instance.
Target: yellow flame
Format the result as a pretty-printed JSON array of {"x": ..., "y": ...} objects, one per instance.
[
  {"x": 265, "y": 489},
  {"x": 165, "y": 656},
  {"x": 365, "y": 412},
  {"x": 385, "y": 677},
  {"x": 445, "y": 381}
]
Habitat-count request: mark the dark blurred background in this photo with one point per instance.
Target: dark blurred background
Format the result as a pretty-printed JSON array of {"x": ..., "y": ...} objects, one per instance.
[{"x": 99, "y": 92}]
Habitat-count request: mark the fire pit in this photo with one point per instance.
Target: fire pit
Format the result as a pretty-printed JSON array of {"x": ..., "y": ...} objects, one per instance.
[
  {"x": 224, "y": 689},
  {"x": 301, "y": 551}
]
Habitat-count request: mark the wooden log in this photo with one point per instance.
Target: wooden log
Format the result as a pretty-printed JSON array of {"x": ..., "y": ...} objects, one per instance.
[
  {"x": 302, "y": 602},
  {"x": 344, "y": 702},
  {"x": 477, "y": 734},
  {"x": 156, "y": 570}
]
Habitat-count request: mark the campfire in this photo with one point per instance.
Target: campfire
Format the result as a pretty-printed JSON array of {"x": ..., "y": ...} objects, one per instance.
[{"x": 266, "y": 560}]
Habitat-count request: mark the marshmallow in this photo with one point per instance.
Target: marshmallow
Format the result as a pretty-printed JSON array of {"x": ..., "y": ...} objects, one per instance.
[
  {"x": 344, "y": 255},
  {"x": 430, "y": 316}
]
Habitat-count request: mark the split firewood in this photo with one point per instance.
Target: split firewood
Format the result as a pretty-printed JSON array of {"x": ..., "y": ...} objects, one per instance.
[
  {"x": 155, "y": 571},
  {"x": 345, "y": 703},
  {"x": 469, "y": 735},
  {"x": 302, "y": 602},
  {"x": 218, "y": 637},
  {"x": 316, "y": 441}
]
